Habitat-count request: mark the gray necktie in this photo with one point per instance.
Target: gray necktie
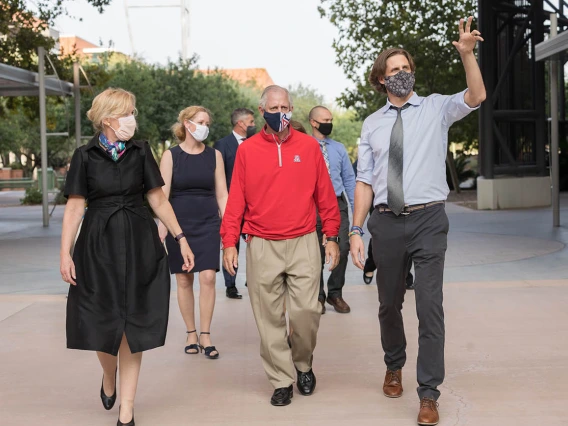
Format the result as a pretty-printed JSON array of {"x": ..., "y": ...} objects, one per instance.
[
  {"x": 325, "y": 155},
  {"x": 395, "y": 189}
]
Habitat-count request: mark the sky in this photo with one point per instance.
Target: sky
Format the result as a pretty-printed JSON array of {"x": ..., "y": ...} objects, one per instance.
[{"x": 288, "y": 38}]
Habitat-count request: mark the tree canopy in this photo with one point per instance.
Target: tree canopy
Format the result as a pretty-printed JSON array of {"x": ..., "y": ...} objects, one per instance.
[{"x": 425, "y": 28}]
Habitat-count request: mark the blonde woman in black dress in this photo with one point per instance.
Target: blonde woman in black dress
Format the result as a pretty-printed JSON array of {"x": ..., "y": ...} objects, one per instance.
[
  {"x": 195, "y": 184},
  {"x": 119, "y": 295}
]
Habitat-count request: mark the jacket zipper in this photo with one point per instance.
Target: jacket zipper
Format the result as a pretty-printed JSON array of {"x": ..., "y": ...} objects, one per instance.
[{"x": 279, "y": 145}]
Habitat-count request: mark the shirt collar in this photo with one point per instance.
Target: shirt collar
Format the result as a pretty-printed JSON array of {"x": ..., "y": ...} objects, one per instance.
[
  {"x": 238, "y": 137},
  {"x": 414, "y": 100},
  {"x": 326, "y": 140},
  {"x": 271, "y": 137}
]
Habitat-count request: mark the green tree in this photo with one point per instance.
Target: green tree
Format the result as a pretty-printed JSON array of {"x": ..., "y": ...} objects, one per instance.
[
  {"x": 425, "y": 28},
  {"x": 23, "y": 29}
]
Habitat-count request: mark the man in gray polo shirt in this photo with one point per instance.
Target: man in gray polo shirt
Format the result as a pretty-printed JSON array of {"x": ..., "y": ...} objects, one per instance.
[{"x": 402, "y": 161}]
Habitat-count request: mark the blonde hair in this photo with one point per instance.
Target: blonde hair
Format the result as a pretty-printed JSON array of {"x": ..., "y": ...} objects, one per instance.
[
  {"x": 188, "y": 113},
  {"x": 112, "y": 102}
]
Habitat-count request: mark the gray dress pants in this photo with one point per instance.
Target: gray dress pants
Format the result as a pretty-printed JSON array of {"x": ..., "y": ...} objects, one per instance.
[{"x": 422, "y": 236}]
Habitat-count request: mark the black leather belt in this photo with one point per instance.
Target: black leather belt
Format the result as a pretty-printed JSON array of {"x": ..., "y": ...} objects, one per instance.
[{"x": 409, "y": 209}]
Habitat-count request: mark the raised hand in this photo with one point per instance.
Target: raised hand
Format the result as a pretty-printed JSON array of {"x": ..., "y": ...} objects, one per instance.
[{"x": 468, "y": 39}]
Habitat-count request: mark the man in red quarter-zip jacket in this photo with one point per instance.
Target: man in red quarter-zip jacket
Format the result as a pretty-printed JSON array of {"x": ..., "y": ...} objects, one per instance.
[{"x": 279, "y": 179}]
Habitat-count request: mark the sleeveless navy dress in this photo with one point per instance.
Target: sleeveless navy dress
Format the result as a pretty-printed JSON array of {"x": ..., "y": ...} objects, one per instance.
[{"x": 194, "y": 201}]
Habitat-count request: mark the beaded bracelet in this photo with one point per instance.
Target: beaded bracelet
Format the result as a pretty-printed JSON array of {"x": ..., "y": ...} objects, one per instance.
[{"x": 355, "y": 233}]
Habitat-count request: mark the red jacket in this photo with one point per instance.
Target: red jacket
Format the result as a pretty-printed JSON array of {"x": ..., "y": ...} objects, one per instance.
[{"x": 277, "y": 187}]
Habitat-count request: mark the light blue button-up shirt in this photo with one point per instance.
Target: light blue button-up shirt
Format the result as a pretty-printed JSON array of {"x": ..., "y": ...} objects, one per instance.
[
  {"x": 341, "y": 170},
  {"x": 425, "y": 127}
]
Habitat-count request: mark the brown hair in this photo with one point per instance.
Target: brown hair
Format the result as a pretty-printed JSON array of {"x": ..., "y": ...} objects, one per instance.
[
  {"x": 178, "y": 129},
  {"x": 296, "y": 125},
  {"x": 380, "y": 67},
  {"x": 110, "y": 103}
]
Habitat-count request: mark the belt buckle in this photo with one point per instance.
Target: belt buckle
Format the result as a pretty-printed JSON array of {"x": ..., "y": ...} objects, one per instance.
[{"x": 404, "y": 211}]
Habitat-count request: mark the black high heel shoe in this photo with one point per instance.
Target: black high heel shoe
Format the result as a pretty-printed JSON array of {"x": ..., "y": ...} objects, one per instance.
[
  {"x": 108, "y": 402},
  {"x": 193, "y": 347},
  {"x": 207, "y": 351},
  {"x": 130, "y": 423},
  {"x": 367, "y": 279}
]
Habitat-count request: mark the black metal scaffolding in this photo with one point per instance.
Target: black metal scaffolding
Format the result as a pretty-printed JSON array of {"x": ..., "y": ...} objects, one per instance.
[{"x": 513, "y": 132}]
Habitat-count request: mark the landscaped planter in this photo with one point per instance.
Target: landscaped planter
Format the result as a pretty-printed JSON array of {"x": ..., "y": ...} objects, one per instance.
[
  {"x": 16, "y": 173},
  {"x": 5, "y": 173}
]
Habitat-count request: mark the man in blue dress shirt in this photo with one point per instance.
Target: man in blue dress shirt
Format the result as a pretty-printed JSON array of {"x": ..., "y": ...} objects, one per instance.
[
  {"x": 402, "y": 162},
  {"x": 343, "y": 179}
]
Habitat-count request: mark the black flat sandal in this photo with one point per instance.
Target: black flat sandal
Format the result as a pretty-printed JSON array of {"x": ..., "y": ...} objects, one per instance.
[
  {"x": 193, "y": 347},
  {"x": 207, "y": 351}
]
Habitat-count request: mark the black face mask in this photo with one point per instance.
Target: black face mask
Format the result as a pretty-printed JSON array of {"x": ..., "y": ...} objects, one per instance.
[
  {"x": 325, "y": 128},
  {"x": 251, "y": 131}
]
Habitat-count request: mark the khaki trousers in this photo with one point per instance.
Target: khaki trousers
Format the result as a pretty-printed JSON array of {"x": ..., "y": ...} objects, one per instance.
[{"x": 276, "y": 270}]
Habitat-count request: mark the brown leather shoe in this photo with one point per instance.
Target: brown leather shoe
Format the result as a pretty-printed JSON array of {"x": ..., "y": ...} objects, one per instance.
[
  {"x": 392, "y": 388},
  {"x": 339, "y": 304},
  {"x": 322, "y": 301},
  {"x": 428, "y": 415}
]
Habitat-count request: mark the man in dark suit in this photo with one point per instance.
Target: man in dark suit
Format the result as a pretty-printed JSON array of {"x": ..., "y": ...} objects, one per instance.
[{"x": 242, "y": 120}]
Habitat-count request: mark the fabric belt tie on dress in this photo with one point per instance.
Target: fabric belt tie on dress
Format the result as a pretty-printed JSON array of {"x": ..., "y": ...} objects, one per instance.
[
  {"x": 409, "y": 209},
  {"x": 116, "y": 203}
]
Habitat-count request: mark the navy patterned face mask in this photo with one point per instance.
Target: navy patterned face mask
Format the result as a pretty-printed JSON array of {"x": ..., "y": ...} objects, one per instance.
[{"x": 400, "y": 84}]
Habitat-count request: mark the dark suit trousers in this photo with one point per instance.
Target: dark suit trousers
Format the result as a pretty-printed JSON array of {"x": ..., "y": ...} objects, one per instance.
[
  {"x": 422, "y": 236},
  {"x": 336, "y": 279}
]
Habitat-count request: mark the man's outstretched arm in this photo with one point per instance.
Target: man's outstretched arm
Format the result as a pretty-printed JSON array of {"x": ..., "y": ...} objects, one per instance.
[{"x": 465, "y": 46}]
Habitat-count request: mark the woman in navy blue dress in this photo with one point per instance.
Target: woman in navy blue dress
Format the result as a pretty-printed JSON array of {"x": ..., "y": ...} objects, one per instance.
[{"x": 194, "y": 177}]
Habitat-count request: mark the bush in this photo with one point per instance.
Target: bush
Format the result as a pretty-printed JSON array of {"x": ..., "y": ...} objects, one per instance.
[
  {"x": 16, "y": 166},
  {"x": 33, "y": 196}
]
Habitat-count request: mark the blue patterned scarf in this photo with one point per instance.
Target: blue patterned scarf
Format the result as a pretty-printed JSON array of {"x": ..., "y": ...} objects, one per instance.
[{"x": 114, "y": 149}]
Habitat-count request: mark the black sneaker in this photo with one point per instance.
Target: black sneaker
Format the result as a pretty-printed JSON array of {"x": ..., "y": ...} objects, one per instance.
[
  {"x": 233, "y": 293},
  {"x": 282, "y": 396}
]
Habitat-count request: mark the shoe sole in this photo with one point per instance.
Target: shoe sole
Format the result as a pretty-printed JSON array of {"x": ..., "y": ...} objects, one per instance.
[
  {"x": 283, "y": 405},
  {"x": 428, "y": 424},
  {"x": 392, "y": 396}
]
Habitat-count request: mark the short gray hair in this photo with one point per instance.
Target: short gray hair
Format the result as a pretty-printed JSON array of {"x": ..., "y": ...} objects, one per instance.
[
  {"x": 273, "y": 88},
  {"x": 239, "y": 114}
]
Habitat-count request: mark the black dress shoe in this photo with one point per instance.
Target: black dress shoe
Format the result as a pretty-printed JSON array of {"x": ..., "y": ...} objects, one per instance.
[
  {"x": 367, "y": 279},
  {"x": 282, "y": 396},
  {"x": 130, "y": 423},
  {"x": 233, "y": 293},
  {"x": 108, "y": 402},
  {"x": 306, "y": 382}
]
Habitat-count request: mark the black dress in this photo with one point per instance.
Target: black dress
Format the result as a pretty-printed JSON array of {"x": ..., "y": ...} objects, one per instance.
[
  {"x": 123, "y": 285},
  {"x": 194, "y": 201}
]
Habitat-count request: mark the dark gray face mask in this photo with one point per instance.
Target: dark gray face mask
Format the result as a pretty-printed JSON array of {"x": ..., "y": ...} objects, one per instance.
[
  {"x": 251, "y": 131},
  {"x": 400, "y": 84}
]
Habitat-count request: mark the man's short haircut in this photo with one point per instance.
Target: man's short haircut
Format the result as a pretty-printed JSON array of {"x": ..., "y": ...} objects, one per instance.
[
  {"x": 314, "y": 110},
  {"x": 273, "y": 88},
  {"x": 239, "y": 114},
  {"x": 380, "y": 67}
]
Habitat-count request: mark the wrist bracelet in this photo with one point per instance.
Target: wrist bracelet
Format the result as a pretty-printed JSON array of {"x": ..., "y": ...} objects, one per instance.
[
  {"x": 179, "y": 237},
  {"x": 355, "y": 233},
  {"x": 356, "y": 229}
]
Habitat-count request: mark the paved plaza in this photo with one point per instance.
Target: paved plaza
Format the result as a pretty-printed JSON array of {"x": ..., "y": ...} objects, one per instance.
[{"x": 506, "y": 298}]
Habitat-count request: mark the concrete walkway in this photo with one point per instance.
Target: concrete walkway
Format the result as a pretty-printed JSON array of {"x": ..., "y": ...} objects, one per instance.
[{"x": 506, "y": 294}]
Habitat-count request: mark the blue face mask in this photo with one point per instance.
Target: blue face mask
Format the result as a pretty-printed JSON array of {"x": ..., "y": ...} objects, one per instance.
[{"x": 277, "y": 121}]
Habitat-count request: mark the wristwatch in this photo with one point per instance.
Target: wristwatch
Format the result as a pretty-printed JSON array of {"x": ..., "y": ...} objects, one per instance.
[
  {"x": 179, "y": 237},
  {"x": 333, "y": 239}
]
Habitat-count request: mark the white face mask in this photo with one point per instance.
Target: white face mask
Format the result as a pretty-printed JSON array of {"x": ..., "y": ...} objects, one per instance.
[
  {"x": 126, "y": 128},
  {"x": 201, "y": 132}
]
